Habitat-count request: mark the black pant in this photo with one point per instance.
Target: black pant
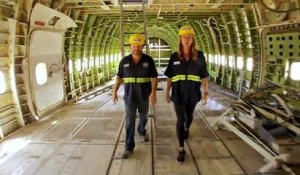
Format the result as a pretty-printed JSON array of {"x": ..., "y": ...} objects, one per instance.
[{"x": 184, "y": 114}]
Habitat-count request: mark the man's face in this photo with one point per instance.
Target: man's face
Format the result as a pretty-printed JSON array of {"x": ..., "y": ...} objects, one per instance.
[
  {"x": 186, "y": 40},
  {"x": 136, "y": 49}
]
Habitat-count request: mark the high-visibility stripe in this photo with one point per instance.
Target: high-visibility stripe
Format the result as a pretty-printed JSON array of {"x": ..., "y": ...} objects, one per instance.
[
  {"x": 136, "y": 80},
  {"x": 129, "y": 80},
  {"x": 188, "y": 77},
  {"x": 193, "y": 78},
  {"x": 143, "y": 80},
  {"x": 178, "y": 77}
]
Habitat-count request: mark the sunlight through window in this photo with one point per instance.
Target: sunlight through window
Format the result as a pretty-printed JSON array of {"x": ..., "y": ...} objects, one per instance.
[
  {"x": 295, "y": 73},
  {"x": 240, "y": 63},
  {"x": 210, "y": 58},
  {"x": 91, "y": 63},
  {"x": 2, "y": 83},
  {"x": 85, "y": 63},
  {"x": 217, "y": 59},
  {"x": 97, "y": 61},
  {"x": 41, "y": 73},
  {"x": 249, "y": 64},
  {"x": 230, "y": 61},
  {"x": 70, "y": 66},
  {"x": 78, "y": 65},
  {"x": 223, "y": 60},
  {"x": 101, "y": 60}
]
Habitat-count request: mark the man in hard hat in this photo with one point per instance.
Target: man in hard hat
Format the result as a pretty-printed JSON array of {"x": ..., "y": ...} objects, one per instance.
[
  {"x": 187, "y": 73},
  {"x": 138, "y": 72}
]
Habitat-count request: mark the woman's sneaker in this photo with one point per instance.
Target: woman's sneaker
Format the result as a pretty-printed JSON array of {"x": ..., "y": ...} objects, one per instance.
[{"x": 181, "y": 155}]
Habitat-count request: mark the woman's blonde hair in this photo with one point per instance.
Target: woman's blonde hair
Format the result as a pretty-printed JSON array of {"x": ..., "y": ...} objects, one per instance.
[{"x": 193, "y": 49}]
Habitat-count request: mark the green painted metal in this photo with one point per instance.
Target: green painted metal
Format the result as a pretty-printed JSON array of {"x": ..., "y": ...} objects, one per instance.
[
  {"x": 229, "y": 34},
  {"x": 281, "y": 51}
]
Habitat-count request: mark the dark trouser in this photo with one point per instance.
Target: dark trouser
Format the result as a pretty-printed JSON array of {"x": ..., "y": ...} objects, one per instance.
[
  {"x": 184, "y": 114},
  {"x": 130, "y": 110}
]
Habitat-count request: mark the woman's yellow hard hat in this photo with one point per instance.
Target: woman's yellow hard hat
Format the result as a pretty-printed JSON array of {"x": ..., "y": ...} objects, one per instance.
[
  {"x": 136, "y": 39},
  {"x": 186, "y": 30}
]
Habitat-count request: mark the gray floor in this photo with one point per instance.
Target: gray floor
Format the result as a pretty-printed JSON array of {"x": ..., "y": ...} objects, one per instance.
[{"x": 88, "y": 138}]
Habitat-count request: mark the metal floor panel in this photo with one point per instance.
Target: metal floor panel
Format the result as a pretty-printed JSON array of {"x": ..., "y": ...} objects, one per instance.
[
  {"x": 62, "y": 129},
  {"x": 92, "y": 105},
  {"x": 165, "y": 161},
  {"x": 87, "y": 139},
  {"x": 139, "y": 162},
  {"x": 99, "y": 129}
]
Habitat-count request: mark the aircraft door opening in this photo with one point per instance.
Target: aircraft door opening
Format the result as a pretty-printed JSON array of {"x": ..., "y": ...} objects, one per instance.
[{"x": 46, "y": 69}]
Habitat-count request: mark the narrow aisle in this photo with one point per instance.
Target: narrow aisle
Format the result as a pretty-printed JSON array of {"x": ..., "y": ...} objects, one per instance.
[{"x": 88, "y": 138}]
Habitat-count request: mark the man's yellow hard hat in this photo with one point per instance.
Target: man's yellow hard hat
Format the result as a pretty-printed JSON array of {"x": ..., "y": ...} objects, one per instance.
[
  {"x": 136, "y": 39},
  {"x": 186, "y": 30}
]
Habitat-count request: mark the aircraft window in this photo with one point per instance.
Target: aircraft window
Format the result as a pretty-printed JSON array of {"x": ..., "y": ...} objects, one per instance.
[
  {"x": 78, "y": 64},
  {"x": 295, "y": 71},
  {"x": 217, "y": 59},
  {"x": 210, "y": 58},
  {"x": 41, "y": 73},
  {"x": 2, "y": 83},
  {"x": 85, "y": 63},
  {"x": 70, "y": 66},
  {"x": 230, "y": 61},
  {"x": 102, "y": 60},
  {"x": 111, "y": 58},
  {"x": 240, "y": 63},
  {"x": 91, "y": 64},
  {"x": 97, "y": 61},
  {"x": 223, "y": 60},
  {"x": 249, "y": 64}
]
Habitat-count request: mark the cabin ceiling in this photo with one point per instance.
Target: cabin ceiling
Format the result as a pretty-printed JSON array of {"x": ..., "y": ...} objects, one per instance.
[{"x": 158, "y": 7}]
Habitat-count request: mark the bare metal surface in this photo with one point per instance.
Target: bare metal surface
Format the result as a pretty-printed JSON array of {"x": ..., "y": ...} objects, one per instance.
[{"x": 79, "y": 141}]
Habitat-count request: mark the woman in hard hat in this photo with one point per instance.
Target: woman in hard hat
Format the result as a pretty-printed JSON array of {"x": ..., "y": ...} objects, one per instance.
[
  {"x": 186, "y": 73},
  {"x": 138, "y": 72}
]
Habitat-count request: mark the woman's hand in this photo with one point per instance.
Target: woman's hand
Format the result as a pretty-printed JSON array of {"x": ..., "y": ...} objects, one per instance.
[{"x": 152, "y": 99}]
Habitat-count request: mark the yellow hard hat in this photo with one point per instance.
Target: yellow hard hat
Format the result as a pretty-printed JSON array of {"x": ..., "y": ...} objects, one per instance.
[
  {"x": 186, "y": 30},
  {"x": 136, "y": 39}
]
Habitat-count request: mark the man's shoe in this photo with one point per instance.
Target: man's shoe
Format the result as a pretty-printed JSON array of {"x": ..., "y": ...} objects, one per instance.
[
  {"x": 181, "y": 156},
  {"x": 186, "y": 134},
  {"x": 126, "y": 154},
  {"x": 145, "y": 137}
]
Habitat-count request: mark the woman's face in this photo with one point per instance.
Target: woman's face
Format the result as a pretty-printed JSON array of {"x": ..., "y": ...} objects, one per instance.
[{"x": 186, "y": 40}]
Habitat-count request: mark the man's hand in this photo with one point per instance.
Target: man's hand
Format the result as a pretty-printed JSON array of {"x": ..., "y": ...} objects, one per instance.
[
  {"x": 168, "y": 97},
  {"x": 152, "y": 99},
  {"x": 204, "y": 99},
  {"x": 115, "y": 97}
]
